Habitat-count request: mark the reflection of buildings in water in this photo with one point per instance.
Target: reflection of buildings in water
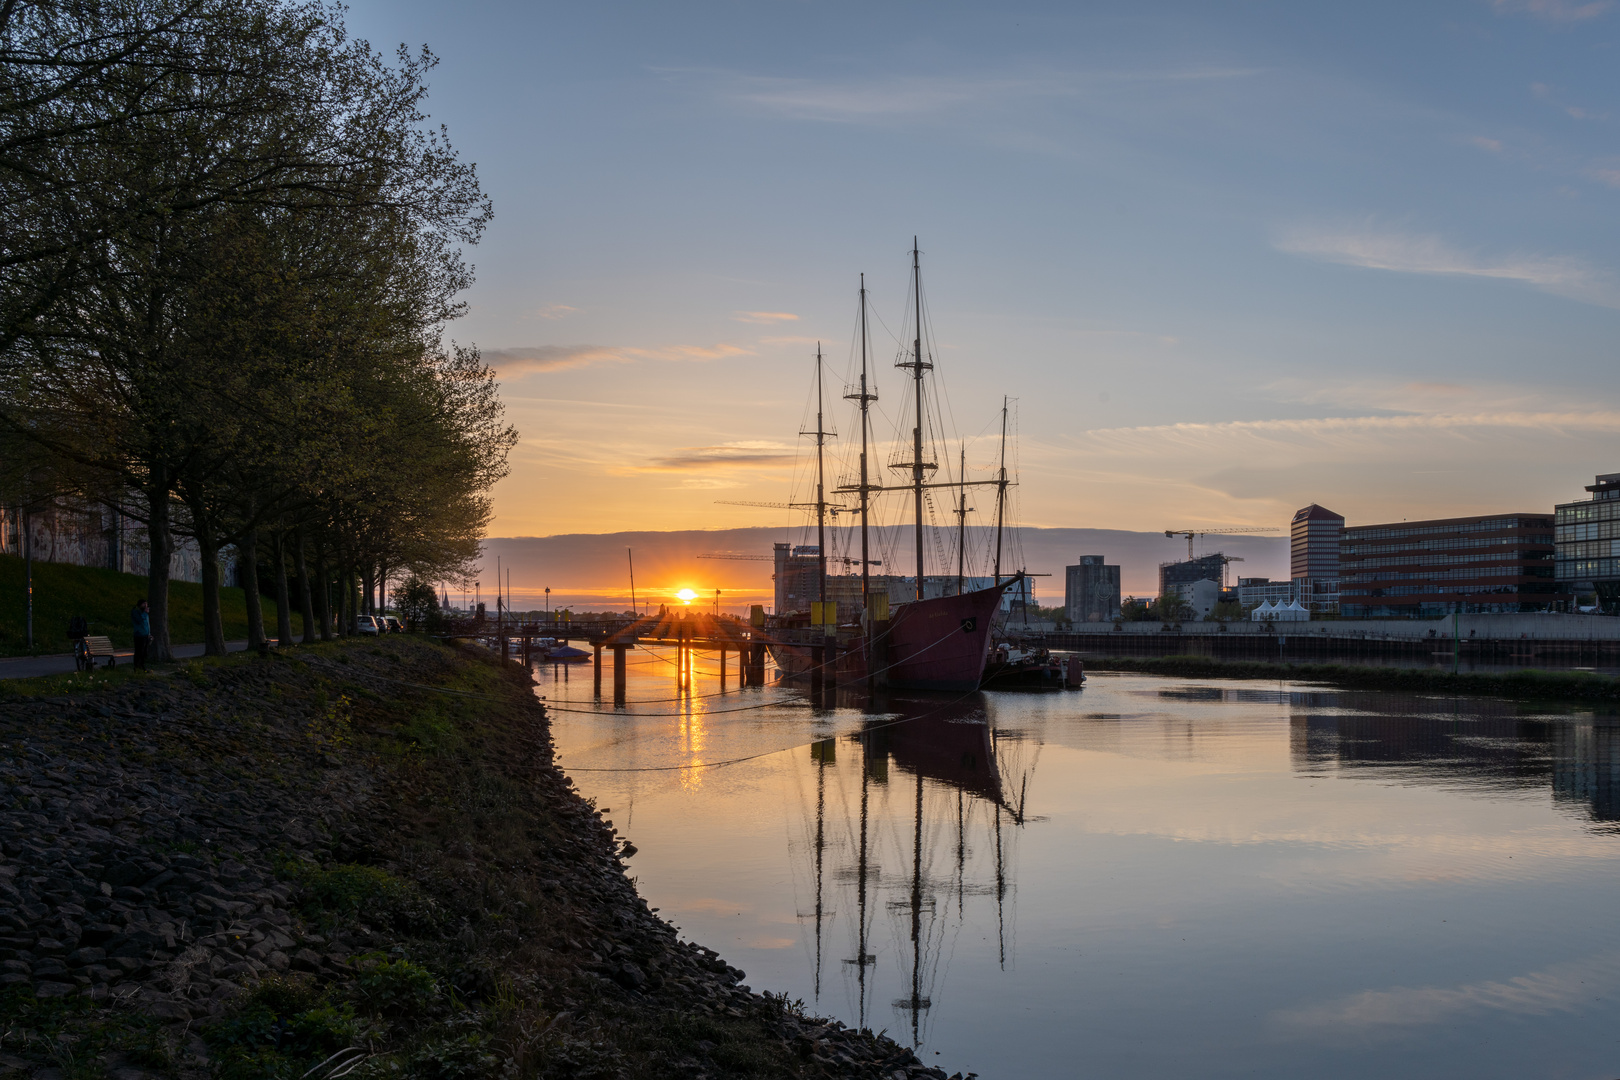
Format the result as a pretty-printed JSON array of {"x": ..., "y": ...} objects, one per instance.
[
  {"x": 944, "y": 802},
  {"x": 1477, "y": 742},
  {"x": 1586, "y": 766}
]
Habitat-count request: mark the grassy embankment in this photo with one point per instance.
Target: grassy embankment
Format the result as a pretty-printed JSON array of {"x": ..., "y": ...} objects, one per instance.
[
  {"x": 1528, "y": 684},
  {"x": 387, "y": 817},
  {"x": 104, "y": 598}
]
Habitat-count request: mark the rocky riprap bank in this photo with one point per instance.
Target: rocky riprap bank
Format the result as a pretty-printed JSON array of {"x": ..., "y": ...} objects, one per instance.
[{"x": 356, "y": 860}]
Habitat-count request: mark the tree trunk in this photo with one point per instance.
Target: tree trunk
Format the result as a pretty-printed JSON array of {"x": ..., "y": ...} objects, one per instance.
[
  {"x": 323, "y": 579},
  {"x": 351, "y": 593},
  {"x": 367, "y": 580},
  {"x": 306, "y": 600},
  {"x": 345, "y": 601},
  {"x": 247, "y": 571},
  {"x": 213, "y": 627},
  {"x": 160, "y": 542},
  {"x": 278, "y": 551}
]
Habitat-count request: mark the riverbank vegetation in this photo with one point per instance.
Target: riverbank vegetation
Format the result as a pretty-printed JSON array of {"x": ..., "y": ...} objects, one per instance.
[
  {"x": 1529, "y": 684},
  {"x": 355, "y": 858},
  {"x": 233, "y": 245}
]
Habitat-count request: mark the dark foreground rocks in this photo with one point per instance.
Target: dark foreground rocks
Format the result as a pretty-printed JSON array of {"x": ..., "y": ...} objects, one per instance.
[{"x": 351, "y": 860}]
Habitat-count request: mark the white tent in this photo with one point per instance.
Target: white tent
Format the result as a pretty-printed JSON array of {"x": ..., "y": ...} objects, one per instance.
[
  {"x": 1266, "y": 610},
  {"x": 1293, "y": 613}
]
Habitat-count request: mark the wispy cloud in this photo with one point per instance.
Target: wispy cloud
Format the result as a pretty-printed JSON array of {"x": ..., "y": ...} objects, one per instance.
[
  {"x": 1543, "y": 92},
  {"x": 1608, "y": 173},
  {"x": 1380, "y": 249},
  {"x": 1326, "y": 429},
  {"x": 556, "y": 311},
  {"x": 1426, "y": 397},
  {"x": 768, "y": 318},
  {"x": 1493, "y": 145},
  {"x": 733, "y": 455},
  {"x": 1554, "y": 10},
  {"x": 922, "y": 95},
  {"x": 1567, "y": 987},
  {"x": 518, "y": 362}
]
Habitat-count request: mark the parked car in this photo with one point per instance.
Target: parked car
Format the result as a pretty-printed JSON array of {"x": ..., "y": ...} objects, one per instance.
[
  {"x": 368, "y": 624},
  {"x": 394, "y": 625}
]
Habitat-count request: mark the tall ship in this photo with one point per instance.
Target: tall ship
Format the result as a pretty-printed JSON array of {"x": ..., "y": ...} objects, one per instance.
[{"x": 921, "y": 642}]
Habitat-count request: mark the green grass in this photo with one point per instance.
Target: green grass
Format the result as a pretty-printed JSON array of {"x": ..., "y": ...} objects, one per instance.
[
  {"x": 1528, "y": 684},
  {"x": 104, "y": 598}
]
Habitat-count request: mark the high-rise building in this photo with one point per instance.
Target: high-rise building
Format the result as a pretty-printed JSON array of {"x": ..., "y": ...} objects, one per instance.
[
  {"x": 1313, "y": 555},
  {"x": 798, "y": 577},
  {"x": 1587, "y": 535},
  {"x": 1313, "y": 543},
  {"x": 1091, "y": 590},
  {"x": 1204, "y": 568},
  {"x": 1502, "y": 563}
]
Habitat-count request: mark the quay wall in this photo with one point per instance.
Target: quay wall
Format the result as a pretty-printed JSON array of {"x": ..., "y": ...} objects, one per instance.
[
  {"x": 1527, "y": 626},
  {"x": 1525, "y": 640}
]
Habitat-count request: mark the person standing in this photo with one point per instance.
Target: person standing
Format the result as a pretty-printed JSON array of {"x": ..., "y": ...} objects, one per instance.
[{"x": 140, "y": 620}]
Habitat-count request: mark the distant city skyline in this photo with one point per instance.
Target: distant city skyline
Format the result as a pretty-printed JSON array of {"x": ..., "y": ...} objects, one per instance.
[{"x": 1229, "y": 260}]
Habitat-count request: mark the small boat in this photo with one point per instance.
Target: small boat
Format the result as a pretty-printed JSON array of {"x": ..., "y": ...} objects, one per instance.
[
  {"x": 567, "y": 654},
  {"x": 1013, "y": 667}
]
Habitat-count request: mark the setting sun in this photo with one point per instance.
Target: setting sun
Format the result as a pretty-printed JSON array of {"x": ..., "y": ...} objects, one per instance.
[{"x": 687, "y": 596}]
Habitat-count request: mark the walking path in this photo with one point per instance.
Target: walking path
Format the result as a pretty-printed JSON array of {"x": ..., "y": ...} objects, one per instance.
[{"x": 29, "y": 667}]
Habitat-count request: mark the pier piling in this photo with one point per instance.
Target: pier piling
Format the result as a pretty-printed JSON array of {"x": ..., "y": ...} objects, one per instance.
[{"x": 829, "y": 686}]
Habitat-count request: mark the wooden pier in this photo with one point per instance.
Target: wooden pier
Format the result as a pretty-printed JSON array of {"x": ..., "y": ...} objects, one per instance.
[{"x": 688, "y": 632}]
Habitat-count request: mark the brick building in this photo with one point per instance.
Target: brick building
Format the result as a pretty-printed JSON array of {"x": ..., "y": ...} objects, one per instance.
[{"x": 1424, "y": 569}]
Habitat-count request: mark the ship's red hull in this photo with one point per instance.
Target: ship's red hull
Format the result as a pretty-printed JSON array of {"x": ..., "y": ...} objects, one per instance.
[{"x": 938, "y": 644}]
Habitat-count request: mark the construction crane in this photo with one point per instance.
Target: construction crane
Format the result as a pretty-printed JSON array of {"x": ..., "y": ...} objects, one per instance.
[
  {"x": 1227, "y": 560},
  {"x": 1190, "y": 533}
]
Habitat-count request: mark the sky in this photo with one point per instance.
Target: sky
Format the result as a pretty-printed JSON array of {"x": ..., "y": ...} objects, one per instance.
[{"x": 1226, "y": 259}]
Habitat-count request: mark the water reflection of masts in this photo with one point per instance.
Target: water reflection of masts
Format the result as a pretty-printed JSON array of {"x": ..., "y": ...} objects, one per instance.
[
  {"x": 916, "y": 1003},
  {"x": 824, "y": 760},
  {"x": 863, "y": 957}
]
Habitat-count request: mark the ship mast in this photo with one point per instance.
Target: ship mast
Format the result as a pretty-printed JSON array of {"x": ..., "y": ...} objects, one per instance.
[
  {"x": 865, "y": 490},
  {"x": 821, "y": 490},
  {"x": 1001, "y": 489},
  {"x": 961, "y": 526},
  {"x": 917, "y": 366}
]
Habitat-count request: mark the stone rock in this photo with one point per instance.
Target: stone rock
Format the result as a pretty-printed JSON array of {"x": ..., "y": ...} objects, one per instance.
[
  {"x": 306, "y": 960},
  {"x": 629, "y": 976},
  {"x": 167, "y": 1010}
]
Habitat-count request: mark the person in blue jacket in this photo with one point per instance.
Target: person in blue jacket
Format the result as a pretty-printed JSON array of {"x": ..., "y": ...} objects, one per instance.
[{"x": 140, "y": 620}]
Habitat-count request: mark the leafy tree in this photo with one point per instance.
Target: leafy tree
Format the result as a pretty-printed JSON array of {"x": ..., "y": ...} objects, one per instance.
[
  {"x": 253, "y": 218},
  {"x": 417, "y": 601}
]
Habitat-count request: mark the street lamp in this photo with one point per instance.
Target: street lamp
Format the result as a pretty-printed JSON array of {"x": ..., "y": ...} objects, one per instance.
[
  {"x": 548, "y": 603},
  {"x": 717, "y": 603}
]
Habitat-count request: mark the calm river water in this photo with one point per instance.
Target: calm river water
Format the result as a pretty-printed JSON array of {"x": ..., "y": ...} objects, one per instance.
[{"x": 1146, "y": 878}]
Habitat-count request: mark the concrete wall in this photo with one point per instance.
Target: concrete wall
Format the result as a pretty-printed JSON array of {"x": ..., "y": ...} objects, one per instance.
[
  {"x": 93, "y": 536},
  {"x": 1533, "y": 627}
]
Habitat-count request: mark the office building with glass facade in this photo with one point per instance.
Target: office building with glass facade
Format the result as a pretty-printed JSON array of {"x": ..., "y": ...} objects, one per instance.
[
  {"x": 1587, "y": 534},
  {"x": 1424, "y": 569}
]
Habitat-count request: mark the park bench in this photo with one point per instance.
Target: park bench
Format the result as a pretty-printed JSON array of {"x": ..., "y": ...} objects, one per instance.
[{"x": 92, "y": 646}]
